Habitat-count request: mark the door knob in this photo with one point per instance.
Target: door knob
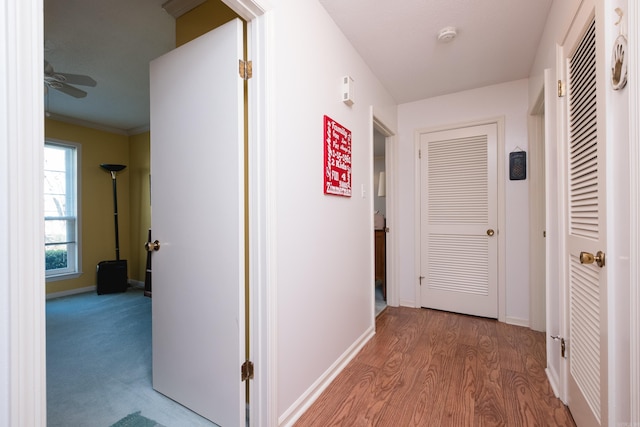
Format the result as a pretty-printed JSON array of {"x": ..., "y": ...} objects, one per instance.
[
  {"x": 589, "y": 258},
  {"x": 490, "y": 232},
  {"x": 152, "y": 246}
]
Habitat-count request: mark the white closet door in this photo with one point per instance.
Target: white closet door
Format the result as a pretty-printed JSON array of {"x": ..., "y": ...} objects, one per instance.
[
  {"x": 585, "y": 226},
  {"x": 459, "y": 244}
]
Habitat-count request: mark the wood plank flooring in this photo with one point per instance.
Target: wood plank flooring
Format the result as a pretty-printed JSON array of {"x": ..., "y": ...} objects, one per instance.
[{"x": 433, "y": 368}]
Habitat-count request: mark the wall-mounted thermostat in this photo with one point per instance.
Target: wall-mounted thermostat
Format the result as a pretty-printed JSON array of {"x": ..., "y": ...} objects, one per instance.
[{"x": 347, "y": 90}]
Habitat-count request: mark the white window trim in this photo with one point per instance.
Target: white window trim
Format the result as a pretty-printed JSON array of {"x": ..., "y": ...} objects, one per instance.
[{"x": 78, "y": 270}]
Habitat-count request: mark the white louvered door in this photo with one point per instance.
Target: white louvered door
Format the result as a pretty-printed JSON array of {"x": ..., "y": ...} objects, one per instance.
[
  {"x": 585, "y": 226},
  {"x": 458, "y": 217}
]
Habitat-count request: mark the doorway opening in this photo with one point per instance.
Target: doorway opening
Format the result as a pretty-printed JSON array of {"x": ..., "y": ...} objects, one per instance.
[
  {"x": 379, "y": 221},
  {"x": 383, "y": 229}
]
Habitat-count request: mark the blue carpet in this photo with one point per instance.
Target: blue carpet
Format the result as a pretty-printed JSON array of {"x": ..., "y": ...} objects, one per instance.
[
  {"x": 99, "y": 364},
  {"x": 136, "y": 420}
]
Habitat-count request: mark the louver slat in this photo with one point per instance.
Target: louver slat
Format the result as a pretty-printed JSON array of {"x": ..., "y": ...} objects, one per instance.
[
  {"x": 584, "y": 220},
  {"x": 458, "y": 181},
  {"x": 458, "y": 193}
]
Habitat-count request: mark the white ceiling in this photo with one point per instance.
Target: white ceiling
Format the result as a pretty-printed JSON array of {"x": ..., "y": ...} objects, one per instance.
[
  {"x": 114, "y": 41},
  {"x": 497, "y": 41}
]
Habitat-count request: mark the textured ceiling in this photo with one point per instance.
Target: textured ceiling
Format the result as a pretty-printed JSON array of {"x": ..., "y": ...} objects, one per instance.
[{"x": 113, "y": 42}]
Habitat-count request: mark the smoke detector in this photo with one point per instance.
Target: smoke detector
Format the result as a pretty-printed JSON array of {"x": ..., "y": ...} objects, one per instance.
[{"x": 447, "y": 34}]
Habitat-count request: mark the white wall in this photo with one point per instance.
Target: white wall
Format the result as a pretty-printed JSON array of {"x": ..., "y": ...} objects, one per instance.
[
  {"x": 323, "y": 244},
  {"x": 507, "y": 100}
]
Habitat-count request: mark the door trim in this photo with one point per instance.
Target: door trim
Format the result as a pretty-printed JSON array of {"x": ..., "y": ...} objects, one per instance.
[
  {"x": 634, "y": 217},
  {"x": 537, "y": 219},
  {"x": 24, "y": 338},
  {"x": 263, "y": 281},
  {"x": 499, "y": 122},
  {"x": 22, "y": 341}
]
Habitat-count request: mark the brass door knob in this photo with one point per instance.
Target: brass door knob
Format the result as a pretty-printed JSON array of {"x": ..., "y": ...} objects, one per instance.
[
  {"x": 490, "y": 232},
  {"x": 589, "y": 258},
  {"x": 152, "y": 246}
]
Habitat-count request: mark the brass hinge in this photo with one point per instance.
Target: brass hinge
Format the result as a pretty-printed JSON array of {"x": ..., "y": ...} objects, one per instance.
[
  {"x": 245, "y": 69},
  {"x": 246, "y": 371},
  {"x": 563, "y": 345},
  {"x": 561, "y": 89}
]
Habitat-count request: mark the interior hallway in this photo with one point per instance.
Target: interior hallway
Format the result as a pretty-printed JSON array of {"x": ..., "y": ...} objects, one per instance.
[{"x": 433, "y": 368}]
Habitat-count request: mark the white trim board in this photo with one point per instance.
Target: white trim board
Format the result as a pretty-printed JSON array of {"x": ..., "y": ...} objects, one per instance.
[
  {"x": 291, "y": 415},
  {"x": 634, "y": 217}
]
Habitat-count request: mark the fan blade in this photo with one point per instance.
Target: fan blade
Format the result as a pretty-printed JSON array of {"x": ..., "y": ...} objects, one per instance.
[
  {"x": 77, "y": 79},
  {"x": 69, "y": 90}
]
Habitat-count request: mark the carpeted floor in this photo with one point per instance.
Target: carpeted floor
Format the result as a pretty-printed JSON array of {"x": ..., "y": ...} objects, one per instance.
[
  {"x": 99, "y": 365},
  {"x": 381, "y": 304}
]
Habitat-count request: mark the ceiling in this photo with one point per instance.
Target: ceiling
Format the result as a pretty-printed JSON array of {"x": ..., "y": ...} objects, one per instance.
[{"x": 114, "y": 41}]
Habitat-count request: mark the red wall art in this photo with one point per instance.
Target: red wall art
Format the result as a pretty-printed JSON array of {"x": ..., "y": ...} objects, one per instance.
[{"x": 337, "y": 158}]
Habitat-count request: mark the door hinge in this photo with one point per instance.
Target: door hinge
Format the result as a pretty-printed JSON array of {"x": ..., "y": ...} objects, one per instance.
[
  {"x": 561, "y": 89},
  {"x": 246, "y": 371},
  {"x": 419, "y": 154},
  {"x": 420, "y": 278},
  {"x": 563, "y": 345},
  {"x": 246, "y": 69}
]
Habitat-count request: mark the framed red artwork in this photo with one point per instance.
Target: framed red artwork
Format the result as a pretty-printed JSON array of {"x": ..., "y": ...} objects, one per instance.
[{"x": 337, "y": 158}]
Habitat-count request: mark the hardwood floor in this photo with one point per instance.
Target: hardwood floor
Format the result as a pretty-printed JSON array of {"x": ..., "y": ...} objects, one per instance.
[{"x": 433, "y": 368}]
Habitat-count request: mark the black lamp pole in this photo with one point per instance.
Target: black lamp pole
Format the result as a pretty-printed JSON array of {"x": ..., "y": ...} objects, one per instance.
[{"x": 113, "y": 169}]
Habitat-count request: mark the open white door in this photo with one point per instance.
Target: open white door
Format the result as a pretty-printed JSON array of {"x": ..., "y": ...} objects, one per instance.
[
  {"x": 458, "y": 220},
  {"x": 585, "y": 222},
  {"x": 197, "y": 188}
]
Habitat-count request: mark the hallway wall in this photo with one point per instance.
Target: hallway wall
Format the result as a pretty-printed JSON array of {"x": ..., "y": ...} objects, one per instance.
[
  {"x": 322, "y": 244},
  {"x": 508, "y": 100}
]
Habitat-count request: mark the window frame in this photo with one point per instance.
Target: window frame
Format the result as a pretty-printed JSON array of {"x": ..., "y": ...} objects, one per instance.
[{"x": 75, "y": 270}]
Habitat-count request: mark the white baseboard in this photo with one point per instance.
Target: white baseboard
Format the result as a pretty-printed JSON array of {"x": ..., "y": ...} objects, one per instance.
[
  {"x": 132, "y": 283},
  {"x": 71, "y": 292},
  {"x": 295, "y": 411},
  {"x": 136, "y": 284},
  {"x": 516, "y": 321},
  {"x": 553, "y": 381},
  {"x": 408, "y": 303}
]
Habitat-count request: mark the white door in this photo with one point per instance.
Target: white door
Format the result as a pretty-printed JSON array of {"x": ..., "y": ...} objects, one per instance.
[
  {"x": 197, "y": 189},
  {"x": 459, "y": 217},
  {"x": 585, "y": 225}
]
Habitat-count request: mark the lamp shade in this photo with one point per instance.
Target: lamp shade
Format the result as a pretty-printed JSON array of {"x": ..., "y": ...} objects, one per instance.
[{"x": 382, "y": 185}]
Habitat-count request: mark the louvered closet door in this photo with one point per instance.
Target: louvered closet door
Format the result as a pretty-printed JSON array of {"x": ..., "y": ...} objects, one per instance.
[
  {"x": 586, "y": 229},
  {"x": 458, "y": 207}
]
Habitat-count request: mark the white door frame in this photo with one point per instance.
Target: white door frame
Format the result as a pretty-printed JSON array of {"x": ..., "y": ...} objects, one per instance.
[
  {"x": 502, "y": 275},
  {"x": 634, "y": 217},
  {"x": 22, "y": 334},
  {"x": 537, "y": 218}
]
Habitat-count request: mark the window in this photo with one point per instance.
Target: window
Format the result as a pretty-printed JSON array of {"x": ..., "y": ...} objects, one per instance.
[{"x": 61, "y": 243}]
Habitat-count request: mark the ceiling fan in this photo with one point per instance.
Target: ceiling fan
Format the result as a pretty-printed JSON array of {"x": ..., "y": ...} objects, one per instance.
[{"x": 63, "y": 81}]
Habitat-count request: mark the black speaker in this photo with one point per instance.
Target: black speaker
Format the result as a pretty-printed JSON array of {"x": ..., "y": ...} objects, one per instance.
[{"x": 111, "y": 277}]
